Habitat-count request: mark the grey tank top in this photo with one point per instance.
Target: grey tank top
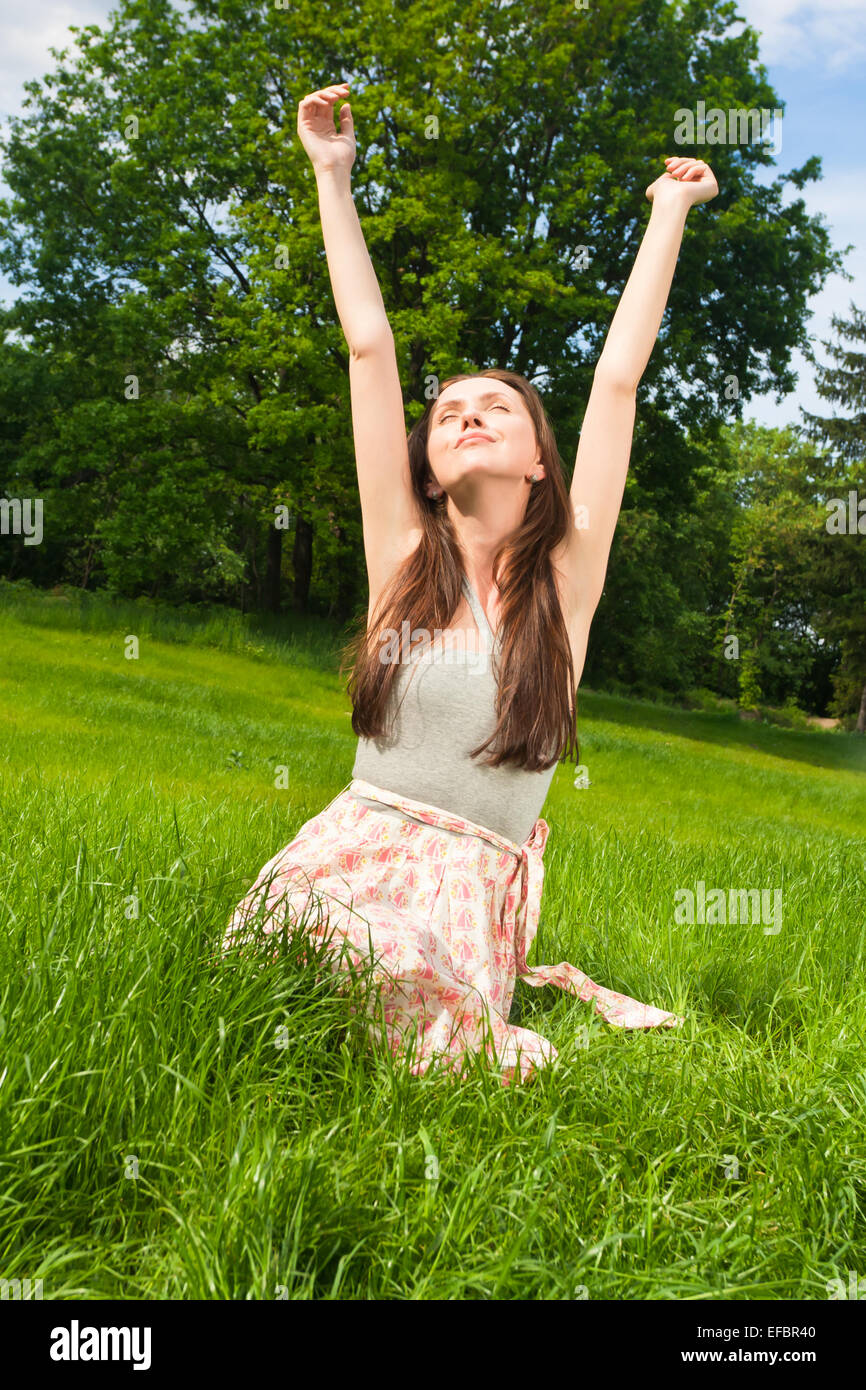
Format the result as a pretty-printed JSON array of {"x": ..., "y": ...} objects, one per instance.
[{"x": 446, "y": 706}]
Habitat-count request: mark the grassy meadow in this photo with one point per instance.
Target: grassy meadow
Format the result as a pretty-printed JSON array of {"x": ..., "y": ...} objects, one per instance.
[{"x": 180, "y": 1126}]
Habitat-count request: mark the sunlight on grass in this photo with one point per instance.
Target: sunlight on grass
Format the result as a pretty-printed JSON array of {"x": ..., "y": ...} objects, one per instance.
[{"x": 178, "y": 1125}]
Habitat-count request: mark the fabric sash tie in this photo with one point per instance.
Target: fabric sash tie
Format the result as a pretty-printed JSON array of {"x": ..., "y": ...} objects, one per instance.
[{"x": 617, "y": 1009}]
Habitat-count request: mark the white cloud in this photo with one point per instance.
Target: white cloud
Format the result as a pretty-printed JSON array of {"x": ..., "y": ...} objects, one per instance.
[
  {"x": 828, "y": 37},
  {"x": 28, "y": 35}
]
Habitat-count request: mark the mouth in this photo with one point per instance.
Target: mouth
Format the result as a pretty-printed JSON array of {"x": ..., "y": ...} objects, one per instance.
[{"x": 474, "y": 438}]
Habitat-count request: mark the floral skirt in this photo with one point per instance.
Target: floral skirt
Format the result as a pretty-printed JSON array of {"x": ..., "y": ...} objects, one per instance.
[{"x": 444, "y": 910}]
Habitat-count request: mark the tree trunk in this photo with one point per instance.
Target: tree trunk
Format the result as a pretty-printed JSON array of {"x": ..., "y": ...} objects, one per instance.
[
  {"x": 302, "y": 560},
  {"x": 345, "y": 587},
  {"x": 861, "y": 717},
  {"x": 257, "y": 583},
  {"x": 87, "y": 565},
  {"x": 272, "y": 571}
]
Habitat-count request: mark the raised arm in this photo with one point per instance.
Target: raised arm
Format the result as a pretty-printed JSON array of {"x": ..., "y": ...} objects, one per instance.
[
  {"x": 388, "y": 506},
  {"x": 608, "y": 425}
]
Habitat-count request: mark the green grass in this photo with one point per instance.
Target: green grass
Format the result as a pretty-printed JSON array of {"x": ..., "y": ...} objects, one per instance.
[{"x": 160, "y": 1141}]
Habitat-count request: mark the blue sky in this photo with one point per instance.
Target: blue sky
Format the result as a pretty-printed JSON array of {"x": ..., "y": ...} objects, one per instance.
[{"x": 815, "y": 55}]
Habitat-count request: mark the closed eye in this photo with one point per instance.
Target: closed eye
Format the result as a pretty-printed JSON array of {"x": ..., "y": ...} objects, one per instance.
[{"x": 450, "y": 415}]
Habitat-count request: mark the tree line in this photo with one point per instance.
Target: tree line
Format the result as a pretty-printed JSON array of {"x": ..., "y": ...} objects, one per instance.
[{"x": 174, "y": 381}]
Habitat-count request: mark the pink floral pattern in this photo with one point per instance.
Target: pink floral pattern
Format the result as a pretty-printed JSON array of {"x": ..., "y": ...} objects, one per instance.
[{"x": 451, "y": 910}]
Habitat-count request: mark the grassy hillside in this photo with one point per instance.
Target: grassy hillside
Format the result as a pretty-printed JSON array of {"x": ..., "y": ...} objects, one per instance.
[{"x": 162, "y": 1140}]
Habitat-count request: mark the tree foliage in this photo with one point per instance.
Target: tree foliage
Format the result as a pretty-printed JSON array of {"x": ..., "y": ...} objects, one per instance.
[{"x": 163, "y": 225}]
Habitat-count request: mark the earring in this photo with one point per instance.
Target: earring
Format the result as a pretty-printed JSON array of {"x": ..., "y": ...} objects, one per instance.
[{"x": 535, "y": 477}]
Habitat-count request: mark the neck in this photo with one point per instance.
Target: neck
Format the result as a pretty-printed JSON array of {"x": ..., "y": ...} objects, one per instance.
[{"x": 479, "y": 543}]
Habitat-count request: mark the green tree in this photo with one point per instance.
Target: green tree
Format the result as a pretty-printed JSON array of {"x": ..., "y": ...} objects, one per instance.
[
  {"x": 503, "y": 156},
  {"x": 775, "y": 536},
  {"x": 842, "y": 570}
]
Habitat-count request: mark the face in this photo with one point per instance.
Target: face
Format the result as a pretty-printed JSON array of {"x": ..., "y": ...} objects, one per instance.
[{"x": 481, "y": 406}]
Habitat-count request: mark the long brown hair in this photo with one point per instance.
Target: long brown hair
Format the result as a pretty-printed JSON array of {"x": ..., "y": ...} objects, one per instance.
[{"x": 536, "y": 702}]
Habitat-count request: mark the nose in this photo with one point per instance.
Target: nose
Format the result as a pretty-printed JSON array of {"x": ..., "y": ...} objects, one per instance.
[{"x": 472, "y": 418}]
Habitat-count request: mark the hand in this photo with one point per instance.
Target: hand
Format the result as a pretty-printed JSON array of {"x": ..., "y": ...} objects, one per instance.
[
  {"x": 327, "y": 149},
  {"x": 684, "y": 182}
]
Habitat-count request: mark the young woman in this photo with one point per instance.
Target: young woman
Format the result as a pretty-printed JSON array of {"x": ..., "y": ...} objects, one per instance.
[{"x": 429, "y": 862}]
